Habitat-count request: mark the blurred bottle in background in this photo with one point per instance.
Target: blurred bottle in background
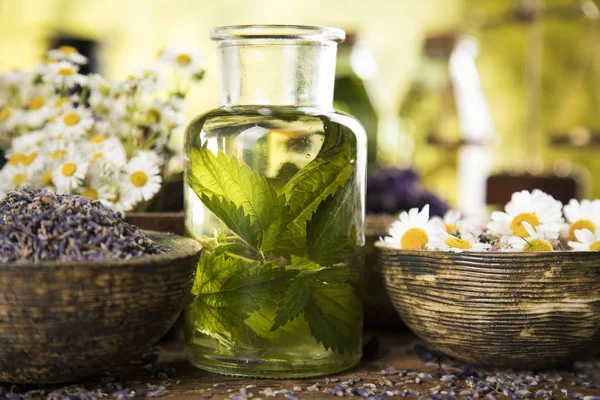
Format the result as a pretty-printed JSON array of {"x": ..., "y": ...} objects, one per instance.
[
  {"x": 355, "y": 72},
  {"x": 446, "y": 114}
]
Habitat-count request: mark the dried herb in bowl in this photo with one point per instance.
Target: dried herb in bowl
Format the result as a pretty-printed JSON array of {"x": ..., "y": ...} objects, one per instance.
[{"x": 42, "y": 226}]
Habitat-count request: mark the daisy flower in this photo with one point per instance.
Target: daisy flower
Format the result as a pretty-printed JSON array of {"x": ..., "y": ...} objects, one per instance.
[
  {"x": 67, "y": 53},
  {"x": 188, "y": 62},
  {"x": 64, "y": 73},
  {"x": 414, "y": 230},
  {"x": 39, "y": 110},
  {"x": 121, "y": 202},
  {"x": 28, "y": 141},
  {"x": 69, "y": 173},
  {"x": 14, "y": 177},
  {"x": 57, "y": 150},
  {"x": 104, "y": 149},
  {"x": 467, "y": 242},
  {"x": 537, "y": 240},
  {"x": 584, "y": 215},
  {"x": 538, "y": 209},
  {"x": 97, "y": 192},
  {"x": 9, "y": 118},
  {"x": 141, "y": 179},
  {"x": 587, "y": 240},
  {"x": 73, "y": 123}
]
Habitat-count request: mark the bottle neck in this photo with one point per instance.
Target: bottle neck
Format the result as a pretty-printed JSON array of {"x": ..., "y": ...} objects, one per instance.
[{"x": 289, "y": 73}]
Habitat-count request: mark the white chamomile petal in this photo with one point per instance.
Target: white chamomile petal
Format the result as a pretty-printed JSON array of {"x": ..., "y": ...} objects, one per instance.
[
  {"x": 67, "y": 53},
  {"x": 581, "y": 215},
  {"x": 413, "y": 230},
  {"x": 141, "y": 178},
  {"x": 70, "y": 173},
  {"x": 587, "y": 240}
]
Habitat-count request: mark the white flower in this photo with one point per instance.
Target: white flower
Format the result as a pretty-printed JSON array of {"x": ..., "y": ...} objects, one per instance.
[
  {"x": 537, "y": 240},
  {"x": 28, "y": 141},
  {"x": 188, "y": 61},
  {"x": 453, "y": 243},
  {"x": 67, "y": 53},
  {"x": 10, "y": 118},
  {"x": 70, "y": 173},
  {"x": 414, "y": 230},
  {"x": 14, "y": 177},
  {"x": 101, "y": 193},
  {"x": 64, "y": 73},
  {"x": 40, "y": 109},
  {"x": 151, "y": 156},
  {"x": 57, "y": 150},
  {"x": 584, "y": 215},
  {"x": 122, "y": 202},
  {"x": 73, "y": 123},
  {"x": 104, "y": 149},
  {"x": 141, "y": 178},
  {"x": 537, "y": 208},
  {"x": 587, "y": 240},
  {"x": 145, "y": 79}
]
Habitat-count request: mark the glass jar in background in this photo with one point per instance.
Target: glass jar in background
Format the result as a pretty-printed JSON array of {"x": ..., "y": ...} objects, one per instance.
[
  {"x": 275, "y": 187},
  {"x": 355, "y": 69},
  {"x": 446, "y": 113}
]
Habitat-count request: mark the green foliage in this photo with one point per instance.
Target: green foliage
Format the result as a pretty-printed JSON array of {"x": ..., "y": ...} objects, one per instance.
[{"x": 286, "y": 262}]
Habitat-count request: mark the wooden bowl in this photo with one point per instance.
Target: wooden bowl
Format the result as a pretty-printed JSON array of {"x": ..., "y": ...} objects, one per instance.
[
  {"x": 65, "y": 321},
  {"x": 521, "y": 310}
]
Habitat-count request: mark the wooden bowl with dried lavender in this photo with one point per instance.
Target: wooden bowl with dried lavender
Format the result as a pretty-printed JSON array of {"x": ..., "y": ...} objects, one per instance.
[
  {"x": 521, "y": 291},
  {"x": 83, "y": 291}
]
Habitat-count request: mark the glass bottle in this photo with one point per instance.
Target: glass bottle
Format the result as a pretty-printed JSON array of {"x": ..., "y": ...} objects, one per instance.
[
  {"x": 355, "y": 68},
  {"x": 275, "y": 187}
]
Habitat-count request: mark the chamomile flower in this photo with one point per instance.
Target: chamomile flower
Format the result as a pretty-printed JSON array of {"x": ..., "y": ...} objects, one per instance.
[
  {"x": 582, "y": 215},
  {"x": 9, "y": 118},
  {"x": 64, "y": 73},
  {"x": 73, "y": 122},
  {"x": 188, "y": 62},
  {"x": 15, "y": 177},
  {"x": 122, "y": 202},
  {"x": 39, "y": 110},
  {"x": 67, "y": 53},
  {"x": 105, "y": 149},
  {"x": 69, "y": 174},
  {"x": 467, "y": 242},
  {"x": 57, "y": 150},
  {"x": 414, "y": 230},
  {"x": 28, "y": 141},
  {"x": 536, "y": 240},
  {"x": 141, "y": 179},
  {"x": 97, "y": 192},
  {"x": 586, "y": 240},
  {"x": 538, "y": 209}
]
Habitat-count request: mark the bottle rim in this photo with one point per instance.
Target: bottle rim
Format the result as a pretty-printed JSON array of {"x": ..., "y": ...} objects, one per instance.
[{"x": 278, "y": 32}]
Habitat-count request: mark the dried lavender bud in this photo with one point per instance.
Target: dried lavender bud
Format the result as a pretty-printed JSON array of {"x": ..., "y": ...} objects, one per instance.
[{"x": 42, "y": 226}]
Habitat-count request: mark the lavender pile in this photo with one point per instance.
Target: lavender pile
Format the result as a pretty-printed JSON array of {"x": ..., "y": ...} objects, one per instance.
[{"x": 43, "y": 226}]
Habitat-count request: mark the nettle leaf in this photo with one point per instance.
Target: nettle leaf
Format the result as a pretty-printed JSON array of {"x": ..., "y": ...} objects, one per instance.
[
  {"x": 293, "y": 302},
  {"x": 320, "y": 178},
  {"x": 331, "y": 233},
  {"x": 228, "y": 290},
  {"x": 333, "y": 316},
  {"x": 227, "y": 185}
]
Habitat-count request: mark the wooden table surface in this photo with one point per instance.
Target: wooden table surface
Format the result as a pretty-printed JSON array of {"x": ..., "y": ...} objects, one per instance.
[{"x": 395, "y": 353}]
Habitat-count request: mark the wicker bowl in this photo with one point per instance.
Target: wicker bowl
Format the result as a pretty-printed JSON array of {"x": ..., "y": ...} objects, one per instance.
[
  {"x": 65, "y": 321},
  {"x": 521, "y": 310}
]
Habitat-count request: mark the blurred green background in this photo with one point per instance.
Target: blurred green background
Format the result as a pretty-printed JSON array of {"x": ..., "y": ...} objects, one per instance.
[{"x": 561, "y": 130}]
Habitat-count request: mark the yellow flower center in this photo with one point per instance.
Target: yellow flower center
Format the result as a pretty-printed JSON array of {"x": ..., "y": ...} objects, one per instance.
[
  {"x": 160, "y": 52},
  {"x": 581, "y": 224},
  {"x": 17, "y": 159},
  {"x": 58, "y": 154},
  {"x": 154, "y": 115},
  {"x": 139, "y": 179},
  {"x": 538, "y": 245},
  {"x": 97, "y": 156},
  {"x": 18, "y": 179},
  {"x": 71, "y": 119},
  {"x": 30, "y": 158},
  {"x": 184, "y": 59},
  {"x": 451, "y": 228},
  {"x": 47, "y": 178},
  {"x": 69, "y": 169},
  {"x": 68, "y": 50},
  {"x": 36, "y": 103},
  {"x": 414, "y": 239},
  {"x": 595, "y": 246},
  {"x": 97, "y": 139},
  {"x": 51, "y": 61},
  {"x": 457, "y": 243},
  {"x": 60, "y": 102},
  {"x": 67, "y": 71},
  {"x": 91, "y": 193},
  {"x": 4, "y": 114},
  {"x": 517, "y": 223}
]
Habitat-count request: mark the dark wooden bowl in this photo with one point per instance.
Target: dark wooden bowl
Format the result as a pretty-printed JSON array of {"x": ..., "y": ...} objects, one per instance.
[
  {"x": 521, "y": 310},
  {"x": 64, "y": 321}
]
